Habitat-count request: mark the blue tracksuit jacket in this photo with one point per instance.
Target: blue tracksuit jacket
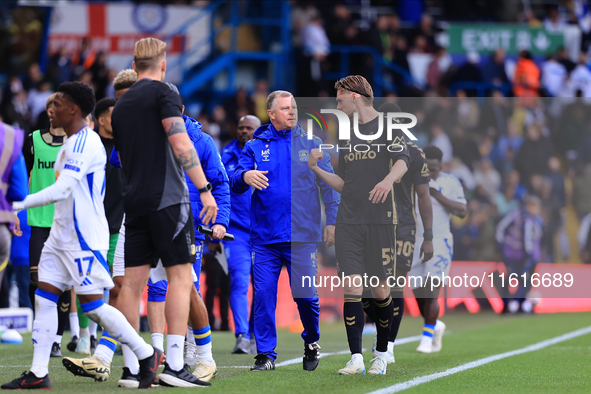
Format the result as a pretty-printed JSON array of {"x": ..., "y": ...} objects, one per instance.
[{"x": 289, "y": 209}]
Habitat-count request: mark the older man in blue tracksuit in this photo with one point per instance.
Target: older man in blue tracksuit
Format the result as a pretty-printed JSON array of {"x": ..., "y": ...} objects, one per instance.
[
  {"x": 238, "y": 252},
  {"x": 285, "y": 223}
]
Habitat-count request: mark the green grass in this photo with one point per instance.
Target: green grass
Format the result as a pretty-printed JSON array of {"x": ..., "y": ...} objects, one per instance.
[{"x": 563, "y": 367}]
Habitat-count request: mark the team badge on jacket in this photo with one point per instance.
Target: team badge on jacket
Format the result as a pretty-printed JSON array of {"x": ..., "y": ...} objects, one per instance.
[
  {"x": 266, "y": 153},
  {"x": 304, "y": 155}
]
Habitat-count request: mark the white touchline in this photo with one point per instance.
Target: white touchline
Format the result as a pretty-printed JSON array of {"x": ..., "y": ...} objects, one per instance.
[
  {"x": 401, "y": 341},
  {"x": 531, "y": 348}
]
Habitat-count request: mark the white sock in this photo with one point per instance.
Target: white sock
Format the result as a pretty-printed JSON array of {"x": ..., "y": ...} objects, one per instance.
[
  {"x": 383, "y": 354},
  {"x": 189, "y": 336},
  {"x": 119, "y": 328},
  {"x": 357, "y": 357},
  {"x": 175, "y": 351},
  {"x": 391, "y": 346},
  {"x": 44, "y": 329},
  {"x": 158, "y": 341},
  {"x": 104, "y": 353},
  {"x": 204, "y": 353},
  {"x": 438, "y": 324},
  {"x": 84, "y": 332},
  {"x": 75, "y": 324},
  {"x": 130, "y": 360},
  {"x": 92, "y": 327},
  {"x": 58, "y": 339}
]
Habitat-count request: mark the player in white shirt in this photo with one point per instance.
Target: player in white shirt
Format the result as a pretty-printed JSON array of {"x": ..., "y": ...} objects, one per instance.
[
  {"x": 75, "y": 252},
  {"x": 447, "y": 198}
]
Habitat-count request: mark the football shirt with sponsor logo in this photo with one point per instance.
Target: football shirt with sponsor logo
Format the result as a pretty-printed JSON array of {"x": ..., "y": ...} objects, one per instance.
[
  {"x": 79, "y": 221},
  {"x": 364, "y": 164}
]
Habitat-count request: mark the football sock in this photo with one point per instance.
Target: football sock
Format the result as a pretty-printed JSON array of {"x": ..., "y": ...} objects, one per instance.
[
  {"x": 428, "y": 331},
  {"x": 175, "y": 349},
  {"x": 106, "y": 348},
  {"x": 92, "y": 327},
  {"x": 130, "y": 360},
  {"x": 74, "y": 324},
  {"x": 44, "y": 329},
  {"x": 354, "y": 322},
  {"x": 158, "y": 341},
  {"x": 203, "y": 341},
  {"x": 398, "y": 308},
  {"x": 369, "y": 308},
  {"x": 189, "y": 336},
  {"x": 63, "y": 312},
  {"x": 118, "y": 327},
  {"x": 58, "y": 338},
  {"x": 84, "y": 332},
  {"x": 384, "y": 310}
]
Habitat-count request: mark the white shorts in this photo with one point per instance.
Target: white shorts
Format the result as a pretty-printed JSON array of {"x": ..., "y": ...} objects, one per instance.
[
  {"x": 84, "y": 270},
  {"x": 156, "y": 274},
  {"x": 439, "y": 265}
]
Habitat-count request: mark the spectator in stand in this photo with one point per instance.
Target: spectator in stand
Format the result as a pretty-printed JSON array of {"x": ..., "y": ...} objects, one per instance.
[
  {"x": 84, "y": 58},
  {"x": 526, "y": 81},
  {"x": 458, "y": 169},
  {"x": 427, "y": 30},
  {"x": 220, "y": 118},
  {"x": 465, "y": 148},
  {"x": 494, "y": 70},
  {"x": 519, "y": 233},
  {"x": 469, "y": 71},
  {"x": 582, "y": 191},
  {"x": 60, "y": 66},
  {"x": 553, "y": 75},
  {"x": 239, "y": 102},
  {"x": 33, "y": 77},
  {"x": 468, "y": 111},
  {"x": 564, "y": 59},
  {"x": 506, "y": 200},
  {"x": 554, "y": 22},
  {"x": 486, "y": 176},
  {"x": 316, "y": 49},
  {"x": 37, "y": 98},
  {"x": 496, "y": 112},
  {"x": 339, "y": 23},
  {"x": 513, "y": 179},
  {"x": 573, "y": 124},
  {"x": 439, "y": 64},
  {"x": 260, "y": 100},
  {"x": 584, "y": 151},
  {"x": 440, "y": 139},
  {"x": 379, "y": 36},
  {"x": 581, "y": 76},
  {"x": 557, "y": 179},
  {"x": 512, "y": 140},
  {"x": 482, "y": 233},
  {"x": 420, "y": 45},
  {"x": 534, "y": 153},
  {"x": 100, "y": 75},
  {"x": 551, "y": 219},
  {"x": 14, "y": 109}
]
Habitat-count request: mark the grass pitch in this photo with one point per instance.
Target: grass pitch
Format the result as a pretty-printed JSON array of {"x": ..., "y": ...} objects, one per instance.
[{"x": 563, "y": 367}]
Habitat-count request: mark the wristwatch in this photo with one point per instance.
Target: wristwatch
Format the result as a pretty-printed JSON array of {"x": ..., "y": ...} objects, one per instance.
[{"x": 206, "y": 188}]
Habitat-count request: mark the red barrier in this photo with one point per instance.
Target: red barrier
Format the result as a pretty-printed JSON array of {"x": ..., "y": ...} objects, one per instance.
[{"x": 551, "y": 299}]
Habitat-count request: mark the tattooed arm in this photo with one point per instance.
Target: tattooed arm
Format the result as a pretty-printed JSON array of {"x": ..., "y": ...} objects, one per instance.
[{"x": 187, "y": 157}]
